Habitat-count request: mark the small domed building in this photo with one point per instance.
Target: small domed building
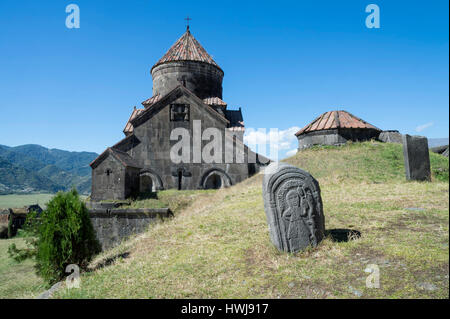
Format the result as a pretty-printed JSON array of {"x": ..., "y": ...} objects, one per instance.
[
  {"x": 335, "y": 128},
  {"x": 187, "y": 98}
]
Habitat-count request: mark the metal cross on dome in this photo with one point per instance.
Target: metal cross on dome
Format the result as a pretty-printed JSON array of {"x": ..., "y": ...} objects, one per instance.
[{"x": 187, "y": 19}]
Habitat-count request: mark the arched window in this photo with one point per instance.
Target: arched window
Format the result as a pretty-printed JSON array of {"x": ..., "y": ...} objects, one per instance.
[{"x": 215, "y": 178}]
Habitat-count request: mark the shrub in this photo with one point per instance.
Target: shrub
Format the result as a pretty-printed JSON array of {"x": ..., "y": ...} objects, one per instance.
[
  {"x": 30, "y": 231},
  {"x": 64, "y": 235}
]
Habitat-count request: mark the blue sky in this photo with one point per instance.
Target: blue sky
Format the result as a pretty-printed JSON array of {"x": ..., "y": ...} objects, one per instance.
[{"x": 285, "y": 63}]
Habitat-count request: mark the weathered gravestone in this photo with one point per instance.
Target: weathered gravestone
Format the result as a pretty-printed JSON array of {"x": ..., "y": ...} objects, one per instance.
[
  {"x": 417, "y": 158},
  {"x": 293, "y": 207},
  {"x": 390, "y": 136}
]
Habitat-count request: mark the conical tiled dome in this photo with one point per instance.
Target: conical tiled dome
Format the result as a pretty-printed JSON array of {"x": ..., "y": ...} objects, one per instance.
[
  {"x": 187, "y": 48},
  {"x": 336, "y": 119},
  {"x": 188, "y": 64}
]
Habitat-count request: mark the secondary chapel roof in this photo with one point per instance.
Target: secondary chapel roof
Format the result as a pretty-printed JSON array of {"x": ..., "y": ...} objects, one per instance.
[
  {"x": 124, "y": 158},
  {"x": 187, "y": 48},
  {"x": 129, "y": 127},
  {"x": 336, "y": 119}
]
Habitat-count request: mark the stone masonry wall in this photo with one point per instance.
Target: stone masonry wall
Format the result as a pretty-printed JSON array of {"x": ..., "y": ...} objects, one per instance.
[
  {"x": 112, "y": 226},
  {"x": 108, "y": 186},
  {"x": 204, "y": 80},
  {"x": 153, "y": 150}
]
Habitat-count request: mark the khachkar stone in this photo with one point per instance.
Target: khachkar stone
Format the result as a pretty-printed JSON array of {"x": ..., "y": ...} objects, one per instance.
[
  {"x": 417, "y": 158},
  {"x": 293, "y": 207}
]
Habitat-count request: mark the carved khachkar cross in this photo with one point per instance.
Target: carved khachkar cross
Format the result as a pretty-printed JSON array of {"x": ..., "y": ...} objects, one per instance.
[{"x": 293, "y": 207}]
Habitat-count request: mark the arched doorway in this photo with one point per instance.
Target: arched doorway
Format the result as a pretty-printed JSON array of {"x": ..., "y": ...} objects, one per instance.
[
  {"x": 150, "y": 181},
  {"x": 146, "y": 184},
  {"x": 213, "y": 181}
]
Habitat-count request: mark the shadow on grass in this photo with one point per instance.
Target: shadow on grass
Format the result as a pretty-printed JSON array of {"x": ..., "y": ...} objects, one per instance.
[
  {"x": 108, "y": 261},
  {"x": 147, "y": 195},
  {"x": 342, "y": 234}
]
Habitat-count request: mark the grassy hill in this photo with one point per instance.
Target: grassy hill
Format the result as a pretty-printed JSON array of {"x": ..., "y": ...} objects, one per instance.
[
  {"x": 218, "y": 246},
  {"x": 39, "y": 169}
]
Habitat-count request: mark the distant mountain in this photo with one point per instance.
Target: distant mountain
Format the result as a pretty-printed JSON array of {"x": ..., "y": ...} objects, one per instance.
[
  {"x": 433, "y": 142},
  {"x": 15, "y": 179},
  {"x": 34, "y": 168}
]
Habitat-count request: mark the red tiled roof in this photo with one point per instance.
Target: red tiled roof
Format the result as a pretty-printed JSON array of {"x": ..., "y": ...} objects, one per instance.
[
  {"x": 187, "y": 48},
  {"x": 152, "y": 100},
  {"x": 336, "y": 119},
  {"x": 214, "y": 101},
  {"x": 129, "y": 127}
]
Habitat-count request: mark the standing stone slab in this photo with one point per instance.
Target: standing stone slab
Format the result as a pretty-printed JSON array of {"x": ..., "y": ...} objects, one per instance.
[
  {"x": 417, "y": 158},
  {"x": 390, "y": 136},
  {"x": 293, "y": 207}
]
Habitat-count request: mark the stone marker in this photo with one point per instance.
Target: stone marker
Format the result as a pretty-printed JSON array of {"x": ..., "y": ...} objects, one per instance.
[
  {"x": 293, "y": 207},
  {"x": 417, "y": 158},
  {"x": 390, "y": 136}
]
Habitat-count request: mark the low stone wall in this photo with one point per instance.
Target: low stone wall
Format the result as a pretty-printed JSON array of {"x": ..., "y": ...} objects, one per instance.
[{"x": 112, "y": 226}]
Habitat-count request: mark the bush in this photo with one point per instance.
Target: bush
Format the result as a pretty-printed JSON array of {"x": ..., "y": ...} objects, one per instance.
[
  {"x": 29, "y": 231},
  {"x": 64, "y": 236}
]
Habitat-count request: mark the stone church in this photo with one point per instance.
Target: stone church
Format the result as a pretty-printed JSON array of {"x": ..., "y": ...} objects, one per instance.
[
  {"x": 336, "y": 128},
  {"x": 187, "y": 90}
]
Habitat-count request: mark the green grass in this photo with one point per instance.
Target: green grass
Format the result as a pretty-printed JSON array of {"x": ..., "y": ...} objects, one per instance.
[
  {"x": 357, "y": 162},
  {"x": 17, "y": 201},
  {"x": 17, "y": 280},
  {"x": 171, "y": 198},
  {"x": 14, "y": 201},
  {"x": 218, "y": 246}
]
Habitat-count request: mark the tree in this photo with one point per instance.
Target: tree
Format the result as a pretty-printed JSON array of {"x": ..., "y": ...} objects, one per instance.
[{"x": 63, "y": 235}]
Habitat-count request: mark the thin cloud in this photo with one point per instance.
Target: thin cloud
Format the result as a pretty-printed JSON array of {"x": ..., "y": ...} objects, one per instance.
[
  {"x": 422, "y": 127},
  {"x": 280, "y": 141},
  {"x": 291, "y": 152}
]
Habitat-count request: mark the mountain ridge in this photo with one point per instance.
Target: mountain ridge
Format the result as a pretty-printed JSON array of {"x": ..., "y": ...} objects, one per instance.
[{"x": 34, "y": 168}]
